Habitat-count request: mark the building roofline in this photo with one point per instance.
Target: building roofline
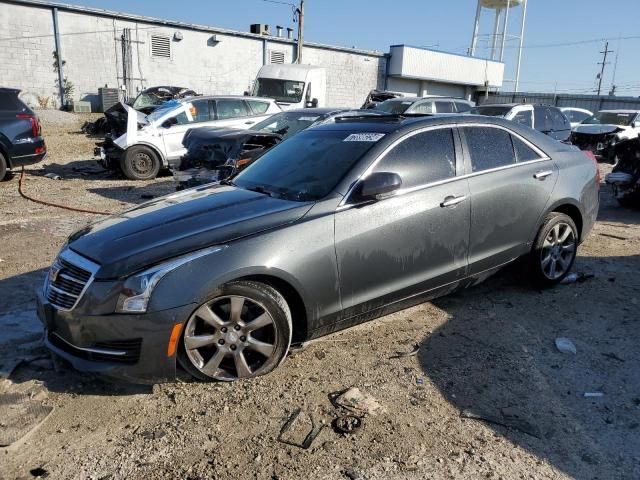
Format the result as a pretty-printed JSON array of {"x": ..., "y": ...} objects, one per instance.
[
  {"x": 446, "y": 53},
  {"x": 178, "y": 24}
]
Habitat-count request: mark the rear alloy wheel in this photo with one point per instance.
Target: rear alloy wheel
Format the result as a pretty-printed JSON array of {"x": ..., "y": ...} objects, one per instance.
[
  {"x": 140, "y": 163},
  {"x": 555, "y": 250},
  {"x": 243, "y": 331},
  {"x": 3, "y": 167}
]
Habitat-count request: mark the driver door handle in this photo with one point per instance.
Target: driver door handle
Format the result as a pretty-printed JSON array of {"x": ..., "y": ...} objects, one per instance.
[
  {"x": 542, "y": 175},
  {"x": 249, "y": 122},
  {"x": 452, "y": 201}
]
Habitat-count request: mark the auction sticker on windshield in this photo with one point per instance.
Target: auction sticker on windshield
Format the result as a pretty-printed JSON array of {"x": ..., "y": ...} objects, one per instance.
[
  {"x": 308, "y": 119},
  {"x": 364, "y": 137}
]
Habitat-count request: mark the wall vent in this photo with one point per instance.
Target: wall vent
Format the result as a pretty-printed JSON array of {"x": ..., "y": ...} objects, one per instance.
[
  {"x": 160, "y": 46},
  {"x": 276, "y": 56}
]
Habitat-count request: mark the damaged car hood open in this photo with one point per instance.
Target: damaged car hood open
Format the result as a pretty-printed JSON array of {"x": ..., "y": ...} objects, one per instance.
[
  {"x": 124, "y": 119},
  {"x": 179, "y": 224}
]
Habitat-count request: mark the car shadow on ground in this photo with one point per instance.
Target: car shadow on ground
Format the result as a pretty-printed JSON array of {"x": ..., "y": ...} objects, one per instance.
[
  {"x": 495, "y": 360},
  {"x": 23, "y": 356},
  {"x": 612, "y": 211}
]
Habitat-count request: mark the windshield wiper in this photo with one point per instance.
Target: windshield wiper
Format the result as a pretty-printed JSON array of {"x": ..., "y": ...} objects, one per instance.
[
  {"x": 226, "y": 181},
  {"x": 260, "y": 189}
]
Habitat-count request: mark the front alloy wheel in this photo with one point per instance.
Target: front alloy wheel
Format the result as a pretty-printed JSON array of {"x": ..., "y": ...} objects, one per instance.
[{"x": 241, "y": 332}]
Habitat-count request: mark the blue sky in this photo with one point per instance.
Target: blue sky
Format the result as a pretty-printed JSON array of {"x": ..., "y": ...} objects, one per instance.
[{"x": 374, "y": 24}]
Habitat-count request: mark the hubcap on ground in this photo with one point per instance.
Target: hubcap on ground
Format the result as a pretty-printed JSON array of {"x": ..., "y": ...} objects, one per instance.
[
  {"x": 230, "y": 337},
  {"x": 558, "y": 250}
]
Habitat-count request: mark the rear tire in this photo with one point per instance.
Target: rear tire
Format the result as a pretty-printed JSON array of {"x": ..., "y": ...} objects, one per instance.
[
  {"x": 140, "y": 163},
  {"x": 554, "y": 250},
  {"x": 243, "y": 330},
  {"x": 3, "y": 167}
]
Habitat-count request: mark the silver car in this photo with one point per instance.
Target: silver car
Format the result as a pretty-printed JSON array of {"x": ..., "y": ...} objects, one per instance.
[{"x": 338, "y": 225}]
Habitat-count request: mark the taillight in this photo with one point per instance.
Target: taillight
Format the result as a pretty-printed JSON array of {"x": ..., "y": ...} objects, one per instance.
[
  {"x": 590, "y": 154},
  {"x": 35, "y": 123}
]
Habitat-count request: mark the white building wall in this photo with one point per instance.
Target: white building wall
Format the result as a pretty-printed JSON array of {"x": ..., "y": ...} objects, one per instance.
[
  {"x": 92, "y": 51},
  {"x": 26, "y": 47}
]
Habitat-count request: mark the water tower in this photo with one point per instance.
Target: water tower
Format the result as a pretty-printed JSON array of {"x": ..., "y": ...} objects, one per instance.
[{"x": 500, "y": 35}]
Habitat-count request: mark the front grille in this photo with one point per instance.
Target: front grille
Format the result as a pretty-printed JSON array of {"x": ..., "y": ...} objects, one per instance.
[
  {"x": 115, "y": 351},
  {"x": 68, "y": 278}
]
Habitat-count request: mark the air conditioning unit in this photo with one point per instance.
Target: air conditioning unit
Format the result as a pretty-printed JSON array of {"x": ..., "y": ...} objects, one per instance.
[
  {"x": 108, "y": 97},
  {"x": 260, "y": 29},
  {"x": 81, "y": 107}
]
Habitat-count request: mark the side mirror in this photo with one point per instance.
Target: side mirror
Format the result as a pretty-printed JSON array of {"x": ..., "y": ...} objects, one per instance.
[
  {"x": 313, "y": 103},
  {"x": 246, "y": 93},
  {"x": 169, "y": 122},
  {"x": 379, "y": 184}
]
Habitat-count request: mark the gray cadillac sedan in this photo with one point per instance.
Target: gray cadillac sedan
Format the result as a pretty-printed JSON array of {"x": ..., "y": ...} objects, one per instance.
[{"x": 336, "y": 226}]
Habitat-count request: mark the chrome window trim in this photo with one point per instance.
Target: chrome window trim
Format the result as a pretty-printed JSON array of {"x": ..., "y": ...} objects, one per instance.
[
  {"x": 102, "y": 351},
  {"x": 74, "y": 259},
  {"x": 543, "y": 158}
]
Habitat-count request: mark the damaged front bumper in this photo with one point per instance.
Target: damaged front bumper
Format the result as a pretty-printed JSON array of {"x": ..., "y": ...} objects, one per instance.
[
  {"x": 130, "y": 347},
  {"x": 109, "y": 153}
]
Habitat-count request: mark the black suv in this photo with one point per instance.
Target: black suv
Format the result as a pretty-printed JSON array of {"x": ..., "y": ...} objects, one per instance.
[{"x": 21, "y": 141}]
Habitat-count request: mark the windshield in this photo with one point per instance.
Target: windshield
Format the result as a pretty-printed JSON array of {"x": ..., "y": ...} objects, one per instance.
[
  {"x": 394, "y": 107},
  {"x": 610, "y": 118},
  {"x": 162, "y": 110},
  {"x": 287, "y": 123},
  {"x": 490, "y": 111},
  {"x": 288, "y": 91},
  {"x": 149, "y": 100},
  {"x": 308, "y": 166}
]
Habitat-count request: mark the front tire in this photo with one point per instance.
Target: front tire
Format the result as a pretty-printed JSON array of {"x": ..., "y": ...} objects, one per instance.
[
  {"x": 242, "y": 331},
  {"x": 554, "y": 250},
  {"x": 140, "y": 163},
  {"x": 3, "y": 167}
]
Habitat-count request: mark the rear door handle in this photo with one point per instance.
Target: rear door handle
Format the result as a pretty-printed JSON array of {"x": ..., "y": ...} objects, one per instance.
[
  {"x": 452, "y": 201},
  {"x": 249, "y": 123},
  {"x": 542, "y": 175}
]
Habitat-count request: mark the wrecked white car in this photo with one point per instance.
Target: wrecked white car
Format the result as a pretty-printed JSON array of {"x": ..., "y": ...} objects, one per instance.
[
  {"x": 140, "y": 145},
  {"x": 602, "y": 131}
]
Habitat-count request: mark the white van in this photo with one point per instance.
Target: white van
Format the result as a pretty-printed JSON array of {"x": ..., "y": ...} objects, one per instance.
[
  {"x": 292, "y": 85},
  {"x": 141, "y": 145}
]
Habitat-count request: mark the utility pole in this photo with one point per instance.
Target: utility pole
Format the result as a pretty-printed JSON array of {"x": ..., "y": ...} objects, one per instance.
[
  {"x": 300, "y": 13},
  {"x": 604, "y": 64}
]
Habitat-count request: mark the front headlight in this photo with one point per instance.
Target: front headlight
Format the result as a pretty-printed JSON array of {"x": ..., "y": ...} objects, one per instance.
[{"x": 138, "y": 288}]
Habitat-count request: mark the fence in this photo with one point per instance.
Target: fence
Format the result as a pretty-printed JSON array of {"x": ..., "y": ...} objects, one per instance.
[{"x": 593, "y": 103}]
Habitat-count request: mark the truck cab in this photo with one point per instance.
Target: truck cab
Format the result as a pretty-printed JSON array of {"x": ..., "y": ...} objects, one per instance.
[{"x": 292, "y": 85}]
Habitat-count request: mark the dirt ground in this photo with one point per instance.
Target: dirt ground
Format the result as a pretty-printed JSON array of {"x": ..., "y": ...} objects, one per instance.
[{"x": 487, "y": 353}]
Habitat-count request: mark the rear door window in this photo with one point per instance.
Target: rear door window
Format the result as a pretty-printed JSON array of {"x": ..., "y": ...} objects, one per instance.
[
  {"x": 445, "y": 106},
  {"x": 10, "y": 101},
  {"x": 422, "y": 158},
  {"x": 257, "y": 107},
  {"x": 524, "y": 117},
  {"x": 524, "y": 153},
  {"x": 558, "y": 119},
  {"x": 542, "y": 119},
  {"x": 231, "y": 109},
  {"x": 462, "y": 107},
  {"x": 489, "y": 148},
  {"x": 424, "y": 107}
]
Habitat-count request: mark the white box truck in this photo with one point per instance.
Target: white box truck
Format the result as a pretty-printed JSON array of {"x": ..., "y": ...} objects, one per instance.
[{"x": 292, "y": 85}]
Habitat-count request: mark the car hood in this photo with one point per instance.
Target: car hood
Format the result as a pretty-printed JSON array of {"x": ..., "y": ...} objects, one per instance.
[
  {"x": 598, "y": 129},
  {"x": 121, "y": 118},
  {"x": 179, "y": 224}
]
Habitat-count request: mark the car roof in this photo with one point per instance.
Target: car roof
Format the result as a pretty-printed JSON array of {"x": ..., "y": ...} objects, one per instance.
[
  {"x": 418, "y": 99},
  {"x": 226, "y": 97},
  {"x": 9, "y": 89},
  {"x": 317, "y": 111},
  {"x": 619, "y": 111}
]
